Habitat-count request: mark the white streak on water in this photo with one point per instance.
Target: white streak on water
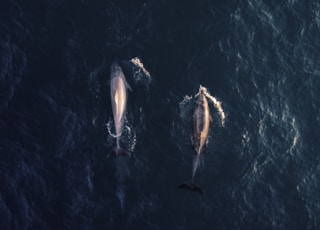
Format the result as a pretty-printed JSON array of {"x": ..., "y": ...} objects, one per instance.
[
  {"x": 183, "y": 108},
  {"x": 217, "y": 104},
  {"x": 245, "y": 141},
  {"x": 137, "y": 62},
  {"x": 185, "y": 100},
  {"x": 195, "y": 165},
  {"x": 141, "y": 72},
  {"x": 128, "y": 136},
  {"x": 133, "y": 139},
  {"x": 109, "y": 124},
  {"x": 296, "y": 135}
]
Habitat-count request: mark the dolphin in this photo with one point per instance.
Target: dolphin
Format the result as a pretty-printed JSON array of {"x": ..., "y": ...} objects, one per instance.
[
  {"x": 118, "y": 90},
  {"x": 201, "y": 122}
]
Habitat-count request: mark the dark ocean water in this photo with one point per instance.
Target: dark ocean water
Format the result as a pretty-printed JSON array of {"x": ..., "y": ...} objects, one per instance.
[{"x": 259, "y": 58}]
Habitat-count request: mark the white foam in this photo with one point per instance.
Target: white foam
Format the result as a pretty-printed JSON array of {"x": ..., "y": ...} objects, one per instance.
[
  {"x": 109, "y": 130},
  {"x": 185, "y": 100},
  {"x": 296, "y": 135},
  {"x": 137, "y": 62},
  {"x": 132, "y": 139},
  {"x": 217, "y": 104}
]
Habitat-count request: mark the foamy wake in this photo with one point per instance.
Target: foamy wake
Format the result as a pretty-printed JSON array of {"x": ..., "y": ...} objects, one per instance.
[
  {"x": 122, "y": 174},
  {"x": 128, "y": 135},
  {"x": 137, "y": 62},
  {"x": 185, "y": 100},
  {"x": 133, "y": 139},
  {"x": 109, "y": 130},
  {"x": 217, "y": 104}
]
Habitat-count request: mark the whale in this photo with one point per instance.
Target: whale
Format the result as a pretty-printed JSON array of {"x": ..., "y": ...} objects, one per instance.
[
  {"x": 201, "y": 122},
  {"x": 118, "y": 91}
]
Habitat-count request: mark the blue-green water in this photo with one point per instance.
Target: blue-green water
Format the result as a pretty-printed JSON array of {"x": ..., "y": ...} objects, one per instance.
[{"x": 260, "y": 59}]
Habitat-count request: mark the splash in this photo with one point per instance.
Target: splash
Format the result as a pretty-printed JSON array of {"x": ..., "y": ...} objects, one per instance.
[
  {"x": 133, "y": 139},
  {"x": 185, "y": 100},
  {"x": 109, "y": 125},
  {"x": 141, "y": 72},
  {"x": 217, "y": 104},
  {"x": 137, "y": 62},
  {"x": 296, "y": 135},
  {"x": 184, "y": 110},
  {"x": 128, "y": 136}
]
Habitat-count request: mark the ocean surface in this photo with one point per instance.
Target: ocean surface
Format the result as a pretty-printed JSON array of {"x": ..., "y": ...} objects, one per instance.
[{"x": 259, "y": 58}]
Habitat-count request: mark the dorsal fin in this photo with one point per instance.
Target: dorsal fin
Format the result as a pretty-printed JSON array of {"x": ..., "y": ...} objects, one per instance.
[{"x": 127, "y": 85}]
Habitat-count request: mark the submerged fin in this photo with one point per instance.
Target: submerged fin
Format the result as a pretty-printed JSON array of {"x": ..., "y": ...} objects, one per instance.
[
  {"x": 190, "y": 185},
  {"x": 128, "y": 86},
  {"x": 119, "y": 152}
]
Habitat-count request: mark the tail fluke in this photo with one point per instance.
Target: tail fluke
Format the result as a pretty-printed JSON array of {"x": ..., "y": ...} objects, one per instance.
[
  {"x": 190, "y": 185},
  {"x": 119, "y": 152}
]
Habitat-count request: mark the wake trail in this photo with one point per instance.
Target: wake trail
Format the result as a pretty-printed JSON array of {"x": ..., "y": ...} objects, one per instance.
[
  {"x": 185, "y": 100},
  {"x": 109, "y": 131},
  {"x": 195, "y": 165},
  {"x": 122, "y": 176},
  {"x": 218, "y": 105},
  {"x": 137, "y": 62}
]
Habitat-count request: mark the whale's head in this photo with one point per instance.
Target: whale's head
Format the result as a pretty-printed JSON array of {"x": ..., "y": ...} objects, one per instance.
[{"x": 202, "y": 90}]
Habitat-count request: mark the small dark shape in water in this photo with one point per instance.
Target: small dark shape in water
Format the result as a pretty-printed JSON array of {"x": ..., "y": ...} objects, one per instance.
[
  {"x": 190, "y": 185},
  {"x": 119, "y": 152}
]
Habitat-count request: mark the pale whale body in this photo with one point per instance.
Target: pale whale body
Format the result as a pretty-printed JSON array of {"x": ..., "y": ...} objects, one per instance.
[{"x": 118, "y": 90}]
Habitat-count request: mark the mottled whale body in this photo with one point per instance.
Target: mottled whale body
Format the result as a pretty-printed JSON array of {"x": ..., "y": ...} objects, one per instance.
[{"x": 201, "y": 122}]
